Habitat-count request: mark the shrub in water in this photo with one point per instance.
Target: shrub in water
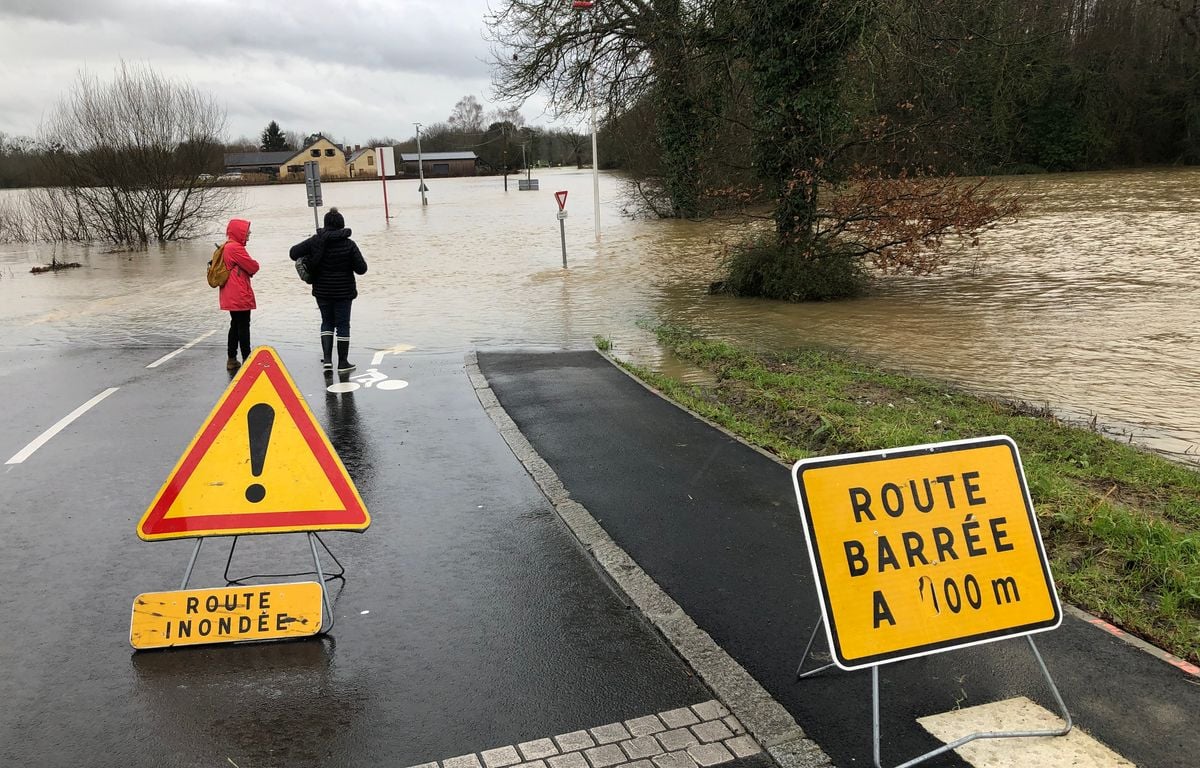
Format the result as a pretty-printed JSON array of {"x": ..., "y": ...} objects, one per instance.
[{"x": 760, "y": 268}]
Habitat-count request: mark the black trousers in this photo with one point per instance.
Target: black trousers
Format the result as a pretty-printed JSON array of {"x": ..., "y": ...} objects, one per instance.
[
  {"x": 335, "y": 316},
  {"x": 239, "y": 333}
]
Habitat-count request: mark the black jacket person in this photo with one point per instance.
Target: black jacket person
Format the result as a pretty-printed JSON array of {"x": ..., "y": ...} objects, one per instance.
[{"x": 334, "y": 260}]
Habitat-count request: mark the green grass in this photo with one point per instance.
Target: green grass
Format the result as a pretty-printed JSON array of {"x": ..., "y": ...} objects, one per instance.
[{"x": 1121, "y": 525}]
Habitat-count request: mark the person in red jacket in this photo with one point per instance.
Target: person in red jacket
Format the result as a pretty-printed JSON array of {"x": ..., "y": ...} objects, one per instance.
[{"x": 237, "y": 297}]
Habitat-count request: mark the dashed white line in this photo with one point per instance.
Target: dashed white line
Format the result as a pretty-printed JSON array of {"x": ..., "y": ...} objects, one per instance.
[
  {"x": 62, "y": 424},
  {"x": 184, "y": 348}
]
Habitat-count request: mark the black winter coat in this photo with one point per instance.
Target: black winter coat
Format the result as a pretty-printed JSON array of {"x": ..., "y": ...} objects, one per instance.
[{"x": 335, "y": 260}]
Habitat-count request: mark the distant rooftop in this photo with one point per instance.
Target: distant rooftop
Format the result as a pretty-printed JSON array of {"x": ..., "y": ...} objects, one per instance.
[{"x": 257, "y": 158}]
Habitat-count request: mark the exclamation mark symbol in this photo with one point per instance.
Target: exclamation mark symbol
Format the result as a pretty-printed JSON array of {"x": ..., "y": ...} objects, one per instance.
[{"x": 259, "y": 421}]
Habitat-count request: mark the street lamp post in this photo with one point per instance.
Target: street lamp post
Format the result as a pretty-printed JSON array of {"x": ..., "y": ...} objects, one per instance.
[{"x": 585, "y": 5}]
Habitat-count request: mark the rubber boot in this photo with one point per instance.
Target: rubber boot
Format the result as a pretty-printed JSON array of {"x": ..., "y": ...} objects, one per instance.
[
  {"x": 343, "y": 349},
  {"x": 327, "y": 351}
]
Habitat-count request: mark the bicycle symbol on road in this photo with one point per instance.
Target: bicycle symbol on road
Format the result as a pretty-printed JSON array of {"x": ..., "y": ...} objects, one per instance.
[{"x": 370, "y": 378}]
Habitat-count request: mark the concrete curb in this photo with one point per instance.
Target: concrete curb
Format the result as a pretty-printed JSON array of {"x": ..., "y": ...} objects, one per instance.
[{"x": 763, "y": 717}]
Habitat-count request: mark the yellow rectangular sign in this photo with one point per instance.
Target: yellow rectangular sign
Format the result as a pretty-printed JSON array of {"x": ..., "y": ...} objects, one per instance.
[
  {"x": 225, "y": 615},
  {"x": 923, "y": 549}
]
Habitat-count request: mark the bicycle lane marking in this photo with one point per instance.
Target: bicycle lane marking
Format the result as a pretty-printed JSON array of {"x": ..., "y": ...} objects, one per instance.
[
  {"x": 372, "y": 376},
  {"x": 366, "y": 380},
  {"x": 58, "y": 426},
  {"x": 184, "y": 348}
]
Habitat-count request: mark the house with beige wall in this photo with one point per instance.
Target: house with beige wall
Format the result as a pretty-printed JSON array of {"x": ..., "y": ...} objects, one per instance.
[
  {"x": 362, "y": 163},
  {"x": 329, "y": 156}
]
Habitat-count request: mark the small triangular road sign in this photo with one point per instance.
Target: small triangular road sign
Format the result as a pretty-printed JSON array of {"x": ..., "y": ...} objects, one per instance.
[
  {"x": 561, "y": 197},
  {"x": 259, "y": 464}
]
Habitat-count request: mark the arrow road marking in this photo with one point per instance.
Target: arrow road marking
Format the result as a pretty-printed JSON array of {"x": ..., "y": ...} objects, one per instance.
[{"x": 396, "y": 350}]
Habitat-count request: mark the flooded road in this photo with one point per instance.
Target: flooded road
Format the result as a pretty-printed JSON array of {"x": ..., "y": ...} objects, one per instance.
[{"x": 1088, "y": 304}]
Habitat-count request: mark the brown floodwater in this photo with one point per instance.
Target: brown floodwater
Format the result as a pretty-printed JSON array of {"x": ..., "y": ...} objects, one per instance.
[{"x": 1087, "y": 304}]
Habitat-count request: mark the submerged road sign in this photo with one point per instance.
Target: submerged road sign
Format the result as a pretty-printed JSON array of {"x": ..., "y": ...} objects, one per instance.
[
  {"x": 259, "y": 464},
  {"x": 923, "y": 549},
  {"x": 225, "y": 615}
]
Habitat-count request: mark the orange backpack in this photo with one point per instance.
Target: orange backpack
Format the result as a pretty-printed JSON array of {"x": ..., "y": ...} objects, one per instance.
[{"x": 218, "y": 270}]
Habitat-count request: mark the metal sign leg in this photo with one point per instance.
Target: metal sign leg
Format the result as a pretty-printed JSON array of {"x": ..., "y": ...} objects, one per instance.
[
  {"x": 811, "y": 639},
  {"x": 341, "y": 569},
  {"x": 1066, "y": 716},
  {"x": 187, "y": 576},
  {"x": 312, "y": 544}
]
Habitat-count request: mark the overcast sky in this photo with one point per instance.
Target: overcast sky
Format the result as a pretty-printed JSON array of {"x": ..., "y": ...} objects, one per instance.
[{"x": 355, "y": 69}]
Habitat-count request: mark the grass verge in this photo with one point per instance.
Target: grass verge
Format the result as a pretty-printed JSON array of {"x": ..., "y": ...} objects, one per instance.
[{"x": 1121, "y": 525}]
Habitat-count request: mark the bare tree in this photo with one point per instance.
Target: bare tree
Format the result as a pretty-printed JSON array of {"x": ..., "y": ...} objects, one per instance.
[
  {"x": 131, "y": 154},
  {"x": 610, "y": 58},
  {"x": 467, "y": 116},
  {"x": 510, "y": 115},
  {"x": 294, "y": 139}
]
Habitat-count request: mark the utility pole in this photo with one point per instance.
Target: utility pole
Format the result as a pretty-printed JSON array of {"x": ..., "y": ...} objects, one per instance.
[
  {"x": 595, "y": 163},
  {"x": 420, "y": 165}
]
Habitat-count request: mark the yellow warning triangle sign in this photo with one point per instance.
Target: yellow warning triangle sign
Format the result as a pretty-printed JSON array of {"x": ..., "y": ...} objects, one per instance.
[{"x": 259, "y": 464}]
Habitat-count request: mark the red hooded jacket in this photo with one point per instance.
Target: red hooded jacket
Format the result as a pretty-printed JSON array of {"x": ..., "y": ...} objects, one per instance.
[{"x": 236, "y": 294}]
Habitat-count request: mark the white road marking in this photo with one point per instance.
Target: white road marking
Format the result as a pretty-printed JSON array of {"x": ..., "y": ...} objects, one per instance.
[
  {"x": 394, "y": 350},
  {"x": 1020, "y": 714},
  {"x": 367, "y": 380},
  {"x": 62, "y": 424},
  {"x": 184, "y": 348}
]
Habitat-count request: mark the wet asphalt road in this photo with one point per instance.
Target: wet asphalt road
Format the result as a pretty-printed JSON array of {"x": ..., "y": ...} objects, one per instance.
[
  {"x": 715, "y": 524},
  {"x": 469, "y": 617}
]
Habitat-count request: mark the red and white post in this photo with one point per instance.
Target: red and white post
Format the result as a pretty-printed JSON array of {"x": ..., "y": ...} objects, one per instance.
[
  {"x": 561, "y": 197},
  {"x": 384, "y": 155}
]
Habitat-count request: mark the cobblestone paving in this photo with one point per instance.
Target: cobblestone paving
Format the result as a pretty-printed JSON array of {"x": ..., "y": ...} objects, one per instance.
[{"x": 699, "y": 736}]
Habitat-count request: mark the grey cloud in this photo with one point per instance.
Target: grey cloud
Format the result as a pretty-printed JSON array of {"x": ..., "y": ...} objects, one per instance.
[
  {"x": 423, "y": 37},
  {"x": 64, "y": 11}
]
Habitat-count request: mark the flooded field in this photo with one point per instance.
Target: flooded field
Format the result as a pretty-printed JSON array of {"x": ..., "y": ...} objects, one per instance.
[{"x": 1088, "y": 304}]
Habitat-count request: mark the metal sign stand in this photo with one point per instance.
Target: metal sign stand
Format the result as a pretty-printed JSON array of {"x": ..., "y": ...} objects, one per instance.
[
  {"x": 421, "y": 167},
  {"x": 561, "y": 198},
  {"x": 313, "y": 539},
  {"x": 1065, "y": 714},
  {"x": 341, "y": 568},
  {"x": 312, "y": 183}
]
